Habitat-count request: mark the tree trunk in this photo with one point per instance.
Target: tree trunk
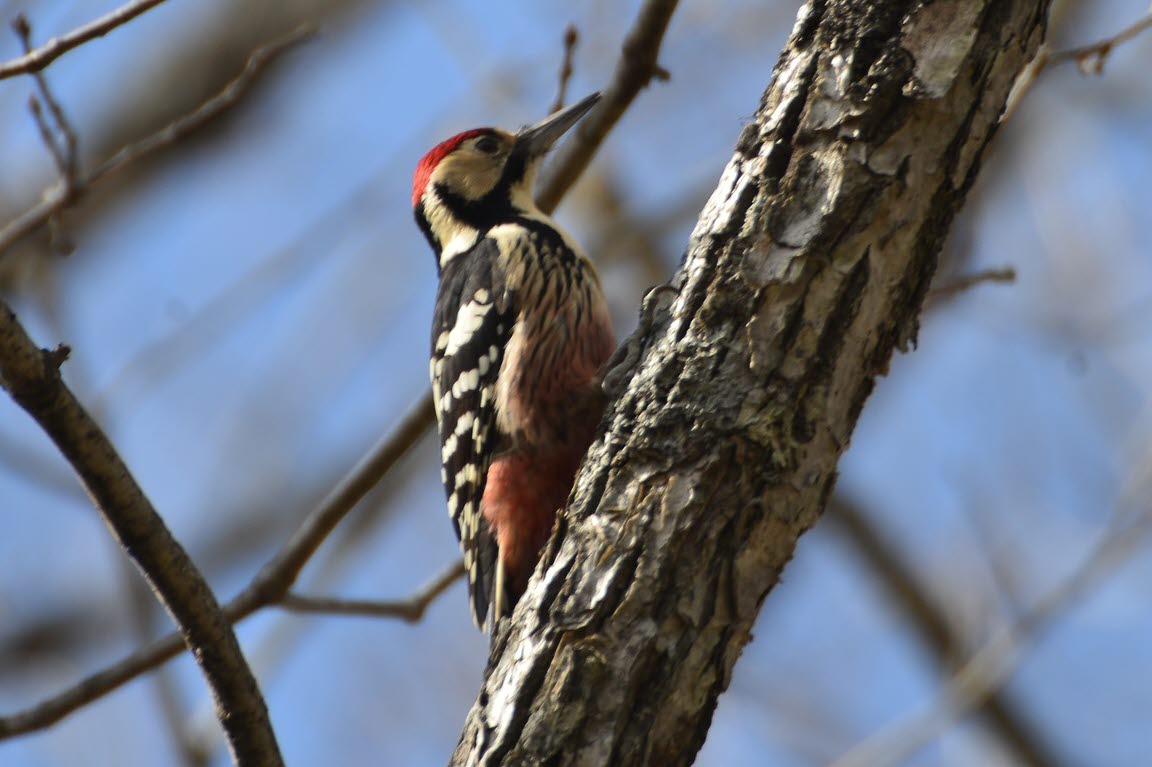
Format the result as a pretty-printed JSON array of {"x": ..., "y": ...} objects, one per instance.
[{"x": 808, "y": 267}]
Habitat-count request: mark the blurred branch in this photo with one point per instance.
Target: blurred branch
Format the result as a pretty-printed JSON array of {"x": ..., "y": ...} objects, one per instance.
[
  {"x": 636, "y": 68},
  {"x": 28, "y": 465},
  {"x": 227, "y": 310},
  {"x": 267, "y": 588},
  {"x": 958, "y": 285},
  {"x": 210, "y": 109},
  {"x": 934, "y": 630},
  {"x": 571, "y": 37},
  {"x": 410, "y": 610},
  {"x": 1098, "y": 52},
  {"x": 1089, "y": 58},
  {"x": 57, "y": 198},
  {"x": 32, "y": 377},
  {"x": 36, "y": 60},
  {"x": 1001, "y": 564},
  {"x": 990, "y": 668},
  {"x": 159, "y": 84},
  {"x": 62, "y": 147},
  {"x": 164, "y": 685},
  {"x": 622, "y": 234},
  {"x": 55, "y": 634}
]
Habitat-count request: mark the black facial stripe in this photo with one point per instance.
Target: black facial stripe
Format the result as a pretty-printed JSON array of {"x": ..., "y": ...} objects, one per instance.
[
  {"x": 496, "y": 206},
  {"x": 482, "y": 214},
  {"x": 514, "y": 168},
  {"x": 426, "y": 228}
]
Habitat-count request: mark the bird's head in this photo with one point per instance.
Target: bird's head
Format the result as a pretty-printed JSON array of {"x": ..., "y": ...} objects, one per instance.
[{"x": 482, "y": 177}]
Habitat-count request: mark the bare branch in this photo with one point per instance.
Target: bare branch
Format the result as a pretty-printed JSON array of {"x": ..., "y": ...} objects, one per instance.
[
  {"x": 32, "y": 377},
  {"x": 56, "y": 199},
  {"x": 571, "y": 37},
  {"x": 636, "y": 68},
  {"x": 410, "y": 610},
  {"x": 958, "y": 285},
  {"x": 66, "y": 156},
  {"x": 266, "y": 589},
  {"x": 210, "y": 109},
  {"x": 281, "y": 572},
  {"x": 141, "y": 608},
  {"x": 1091, "y": 58},
  {"x": 36, "y": 60}
]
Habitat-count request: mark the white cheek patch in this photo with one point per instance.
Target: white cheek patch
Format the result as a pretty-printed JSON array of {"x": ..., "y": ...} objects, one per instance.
[{"x": 454, "y": 237}]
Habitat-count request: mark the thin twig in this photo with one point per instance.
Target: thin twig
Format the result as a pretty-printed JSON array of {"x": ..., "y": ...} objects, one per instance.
[
  {"x": 141, "y": 608},
  {"x": 32, "y": 378},
  {"x": 571, "y": 38},
  {"x": 65, "y": 156},
  {"x": 58, "y": 197},
  {"x": 47, "y": 135},
  {"x": 210, "y": 109},
  {"x": 410, "y": 610},
  {"x": 58, "y": 136},
  {"x": 1096, "y": 53},
  {"x": 960, "y": 284},
  {"x": 638, "y": 66},
  {"x": 36, "y": 60}
]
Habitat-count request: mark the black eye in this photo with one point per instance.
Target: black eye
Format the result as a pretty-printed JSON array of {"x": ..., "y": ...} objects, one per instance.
[{"x": 488, "y": 145}]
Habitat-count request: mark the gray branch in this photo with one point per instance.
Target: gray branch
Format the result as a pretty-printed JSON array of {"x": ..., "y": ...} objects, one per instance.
[
  {"x": 32, "y": 377},
  {"x": 807, "y": 269},
  {"x": 35, "y": 60}
]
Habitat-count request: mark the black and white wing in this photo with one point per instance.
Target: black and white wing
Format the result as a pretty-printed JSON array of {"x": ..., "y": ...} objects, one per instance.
[{"x": 470, "y": 331}]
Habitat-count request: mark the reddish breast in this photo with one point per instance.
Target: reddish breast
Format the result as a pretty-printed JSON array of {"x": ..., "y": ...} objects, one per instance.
[{"x": 521, "y": 498}]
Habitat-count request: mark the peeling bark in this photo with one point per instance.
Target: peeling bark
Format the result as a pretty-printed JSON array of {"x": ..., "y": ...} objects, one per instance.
[{"x": 807, "y": 269}]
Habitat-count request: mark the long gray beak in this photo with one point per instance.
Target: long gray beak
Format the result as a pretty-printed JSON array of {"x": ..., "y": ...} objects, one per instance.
[{"x": 539, "y": 138}]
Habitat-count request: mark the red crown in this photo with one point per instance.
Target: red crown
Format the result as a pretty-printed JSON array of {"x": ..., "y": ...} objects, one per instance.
[{"x": 429, "y": 161}]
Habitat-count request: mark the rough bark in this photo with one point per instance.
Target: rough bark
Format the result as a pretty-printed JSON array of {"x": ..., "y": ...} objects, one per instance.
[{"x": 807, "y": 269}]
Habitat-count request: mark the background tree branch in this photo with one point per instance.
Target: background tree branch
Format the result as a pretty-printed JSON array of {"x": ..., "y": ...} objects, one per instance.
[
  {"x": 32, "y": 377},
  {"x": 807, "y": 269},
  {"x": 35, "y": 60}
]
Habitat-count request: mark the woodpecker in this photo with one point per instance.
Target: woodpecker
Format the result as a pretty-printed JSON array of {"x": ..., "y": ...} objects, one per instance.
[{"x": 520, "y": 331}]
